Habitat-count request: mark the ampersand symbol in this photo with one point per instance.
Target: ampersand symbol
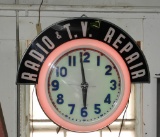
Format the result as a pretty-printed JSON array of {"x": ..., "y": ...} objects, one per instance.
[{"x": 58, "y": 35}]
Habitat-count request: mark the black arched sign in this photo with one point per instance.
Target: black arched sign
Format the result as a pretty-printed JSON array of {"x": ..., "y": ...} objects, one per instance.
[{"x": 77, "y": 28}]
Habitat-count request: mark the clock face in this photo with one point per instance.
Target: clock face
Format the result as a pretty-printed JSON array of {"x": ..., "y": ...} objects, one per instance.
[
  {"x": 65, "y": 86},
  {"x": 83, "y": 85}
]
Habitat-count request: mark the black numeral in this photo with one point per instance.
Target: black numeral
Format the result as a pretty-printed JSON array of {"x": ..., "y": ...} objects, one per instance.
[
  {"x": 55, "y": 85},
  {"x": 84, "y": 112},
  {"x": 72, "y": 108},
  {"x": 86, "y": 57},
  {"x": 98, "y": 60},
  {"x": 108, "y": 99},
  {"x": 61, "y": 71},
  {"x": 71, "y": 60},
  {"x": 60, "y": 99},
  {"x": 97, "y": 109},
  {"x": 108, "y": 70},
  {"x": 114, "y": 84}
]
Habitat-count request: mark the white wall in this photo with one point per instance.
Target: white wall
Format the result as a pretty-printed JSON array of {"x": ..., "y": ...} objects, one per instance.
[
  {"x": 131, "y": 3},
  {"x": 152, "y": 52},
  {"x": 8, "y": 68},
  {"x": 142, "y": 26}
]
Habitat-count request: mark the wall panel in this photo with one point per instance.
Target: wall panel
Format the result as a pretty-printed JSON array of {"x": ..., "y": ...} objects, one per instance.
[
  {"x": 95, "y": 2},
  {"x": 151, "y": 50},
  {"x": 7, "y": 1},
  {"x": 8, "y": 70}
]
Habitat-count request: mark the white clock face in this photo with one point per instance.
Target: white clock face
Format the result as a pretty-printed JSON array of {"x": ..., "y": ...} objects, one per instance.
[
  {"x": 83, "y": 85},
  {"x": 100, "y": 95}
]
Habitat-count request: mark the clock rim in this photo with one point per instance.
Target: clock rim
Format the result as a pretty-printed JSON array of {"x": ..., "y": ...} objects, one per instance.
[{"x": 45, "y": 101}]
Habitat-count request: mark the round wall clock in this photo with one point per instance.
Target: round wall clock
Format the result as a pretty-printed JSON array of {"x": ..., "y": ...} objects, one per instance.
[
  {"x": 83, "y": 69},
  {"x": 83, "y": 85}
]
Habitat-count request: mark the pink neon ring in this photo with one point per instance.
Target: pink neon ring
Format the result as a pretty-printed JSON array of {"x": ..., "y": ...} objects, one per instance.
[{"x": 42, "y": 93}]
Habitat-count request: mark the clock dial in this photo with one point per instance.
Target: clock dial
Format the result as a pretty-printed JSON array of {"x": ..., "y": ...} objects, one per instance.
[
  {"x": 83, "y": 85},
  {"x": 84, "y": 95}
]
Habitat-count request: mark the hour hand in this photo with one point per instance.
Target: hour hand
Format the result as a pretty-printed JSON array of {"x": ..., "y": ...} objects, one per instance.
[{"x": 84, "y": 86}]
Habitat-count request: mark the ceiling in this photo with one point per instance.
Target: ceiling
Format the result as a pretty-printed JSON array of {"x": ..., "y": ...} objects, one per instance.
[{"x": 130, "y": 3}]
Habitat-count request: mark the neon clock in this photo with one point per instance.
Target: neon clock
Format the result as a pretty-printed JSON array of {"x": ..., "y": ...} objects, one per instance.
[{"x": 83, "y": 69}]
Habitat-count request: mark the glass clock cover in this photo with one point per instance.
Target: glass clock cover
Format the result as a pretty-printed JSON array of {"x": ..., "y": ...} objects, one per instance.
[{"x": 83, "y": 85}]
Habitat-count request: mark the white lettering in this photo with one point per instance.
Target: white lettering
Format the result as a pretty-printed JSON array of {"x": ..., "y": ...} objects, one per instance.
[
  {"x": 43, "y": 49},
  {"x": 29, "y": 76},
  {"x": 109, "y": 35},
  {"x": 118, "y": 40},
  {"x": 139, "y": 73},
  {"x": 48, "y": 42},
  {"x": 68, "y": 30},
  {"x": 127, "y": 47},
  {"x": 35, "y": 54},
  {"x": 135, "y": 66},
  {"x": 132, "y": 57},
  {"x": 32, "y": 65},
  {"x": 84, "y": 28}
]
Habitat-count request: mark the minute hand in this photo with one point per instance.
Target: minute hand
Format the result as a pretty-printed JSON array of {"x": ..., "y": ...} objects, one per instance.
[
  {"x": 84, "y": 84},
  {"x": 82, "y": 70}
]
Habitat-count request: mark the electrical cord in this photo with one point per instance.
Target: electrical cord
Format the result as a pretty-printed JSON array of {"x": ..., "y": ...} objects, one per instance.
[
  {"x": 123, "y": 119},
  {"x": 40, "y": 12}
]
